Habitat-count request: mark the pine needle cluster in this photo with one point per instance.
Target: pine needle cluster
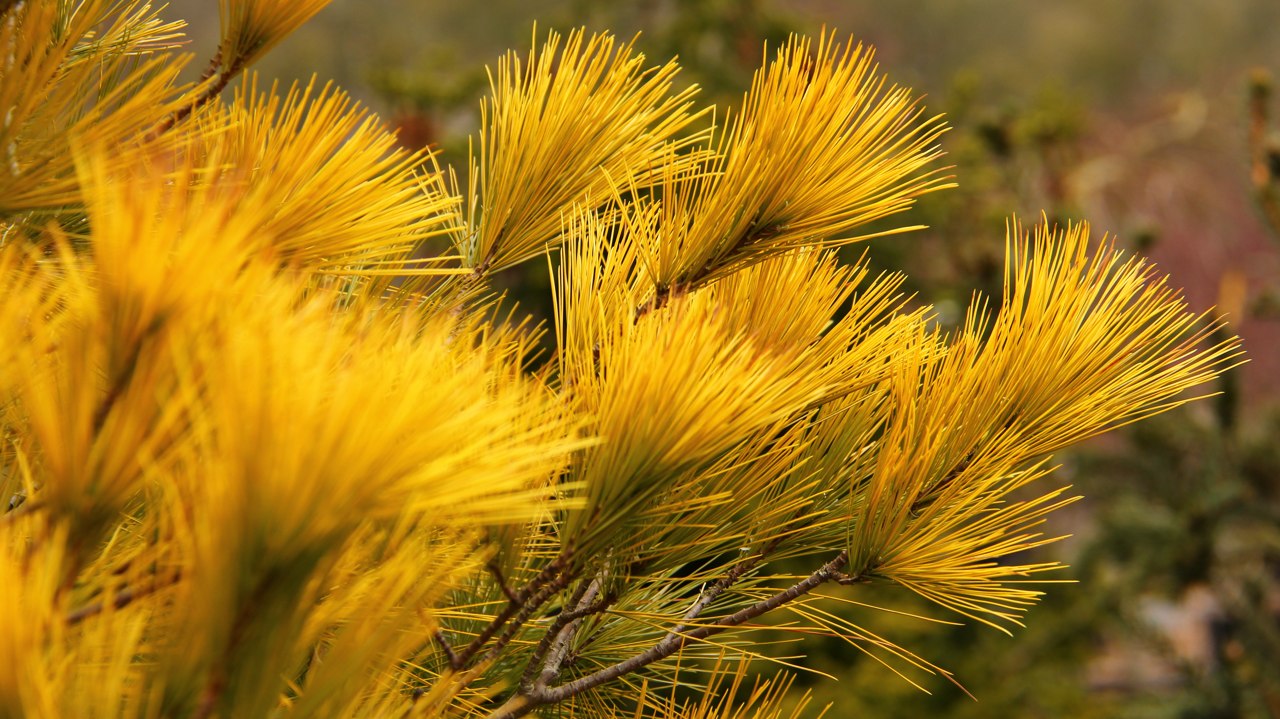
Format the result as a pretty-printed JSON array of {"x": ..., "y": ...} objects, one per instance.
[{"x": 272, "y": 448}]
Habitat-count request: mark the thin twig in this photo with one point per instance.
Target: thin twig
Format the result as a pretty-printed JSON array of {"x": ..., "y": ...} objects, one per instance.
[
  {"x": 515, "y": 605},
  {"x": 210, "y": 695},
  {"x": 595, "y": 607},
  {"x": 447, "y": 648},
  {"x": 736, "y": 572},
  {"x": 496, "y": 571},
  {"x": 123, "y": 598},
  {"x": 526, "y": 610},
  {"x": 21, "y": 510},
  {"x": 118, "y": 387},
  {"x": 554, "y": 647},
  {"x": 675, "y": 640},
  {"x": 549, "y": 638},
  {"x": 663, "y": 293},
  {"x": 850, "y": 579},
  {"x": 220, "y": 80},
  {"x": 220, "y": 674}
]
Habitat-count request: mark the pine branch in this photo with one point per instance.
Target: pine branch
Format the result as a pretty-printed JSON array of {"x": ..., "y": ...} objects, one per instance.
[
  {"x": 500, "y": 580},
  {"x": 219, "y": 80},
  {"x": 736, "y": 572},
  {"x": 519, "y": 604},
  {"x": 554, "y": 647},
  {"x": 122, "y": 599},
  {"x": 526, "y": 611},
  {"x": 551, "y": 635},
  {"x": 122, "y": 379},
  {"x": 447, "y": 648},
  {"x": 663, "y": 293},
  {"x": 675, "y": 640}
]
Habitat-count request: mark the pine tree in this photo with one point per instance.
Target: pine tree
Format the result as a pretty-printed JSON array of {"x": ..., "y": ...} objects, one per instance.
[{"x": 273, "y": 447}]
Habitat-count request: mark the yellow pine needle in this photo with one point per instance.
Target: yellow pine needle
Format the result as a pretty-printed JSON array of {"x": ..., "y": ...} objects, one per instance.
[
  {"x": 104, "y": 678},
  {"x": 390, "y": 424},
  {"x": 314, "y": 424},
  {"x": 135, "y": 28},
  {"x": 29, "y": 582},
  {"x": 1083, "y": 343},
  {"x": 822, "y": 622},
  {"x": 330, "y": 188},
  {"x": 593, "y": 296},
  {"x": 860, "y": 154},
  {"x": 764, "y": 476},
  {"x": 385, "y": 614},
  {"x": 250, "y": 28},
  {"x": 43, "y": 100},
  {"x": 747, "y": 500},
  {"x": 90, "y": 456},
  {"x": 261, "y": 467},
  {"x": 264, "y": 378},
  {"x": 557, "y": 126},
  {"x": 775, "y": 183},
  {"x": 1122, "y": 342},
  {"x": 166, "y": 241},
  {"x": 769, "y": 307},
  {"x": 677, "y": 390},
  {"x": 91, "y": 371},
  {"x": 725, "y": 694},
  {"x": 789, "y": 302}
]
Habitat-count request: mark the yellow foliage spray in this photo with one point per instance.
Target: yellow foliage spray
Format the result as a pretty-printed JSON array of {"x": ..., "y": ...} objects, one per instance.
[{"x": 270, "y": 449}]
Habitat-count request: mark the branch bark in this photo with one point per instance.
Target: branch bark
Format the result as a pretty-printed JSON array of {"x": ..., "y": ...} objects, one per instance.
[
  {"x": 526, "y": 610},
  {"x": 123, "y": 598},
  {"x": 676, "y": 639},
  {"x": 550, "y": 637},
  {"x": 663, "y": 293},
  {"x": 553, "y": 650},
  {"x": 220, "y": 78},
  {"x": 519, "y": 604}
]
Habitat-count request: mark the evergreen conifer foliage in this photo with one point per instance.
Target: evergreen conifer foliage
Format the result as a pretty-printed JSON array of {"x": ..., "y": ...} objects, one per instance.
[{"x": 270, "y": 451}]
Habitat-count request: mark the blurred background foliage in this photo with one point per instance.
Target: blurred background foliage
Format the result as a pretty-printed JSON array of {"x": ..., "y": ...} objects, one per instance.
[{"x": 1150, "y": 118}]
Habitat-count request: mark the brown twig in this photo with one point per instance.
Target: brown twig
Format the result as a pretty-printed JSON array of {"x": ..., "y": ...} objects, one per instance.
[
  {"x": 527, "y": 609},
  {"x": 118, "y": 386},
  {"x": 21, "y": 509},
  {"x": 500, "y": 580},
  {"x": 525, "y": 602},
  {"x": 123, "y": 598},
  {"x": 595, "y": 607},
  {"x": 209, "y": 696},
  {"x": 662, "y": 294},
  {"x": 218, "y": 79},
  {"x": 220, "y": 674},
  {"x": 675, "y": 640},
  {"x": 447, "y": 648},
  {"x": 850, "y": 579},
  {"x": 552, "y": 633},
  {"x": 554, "y": 647}
]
